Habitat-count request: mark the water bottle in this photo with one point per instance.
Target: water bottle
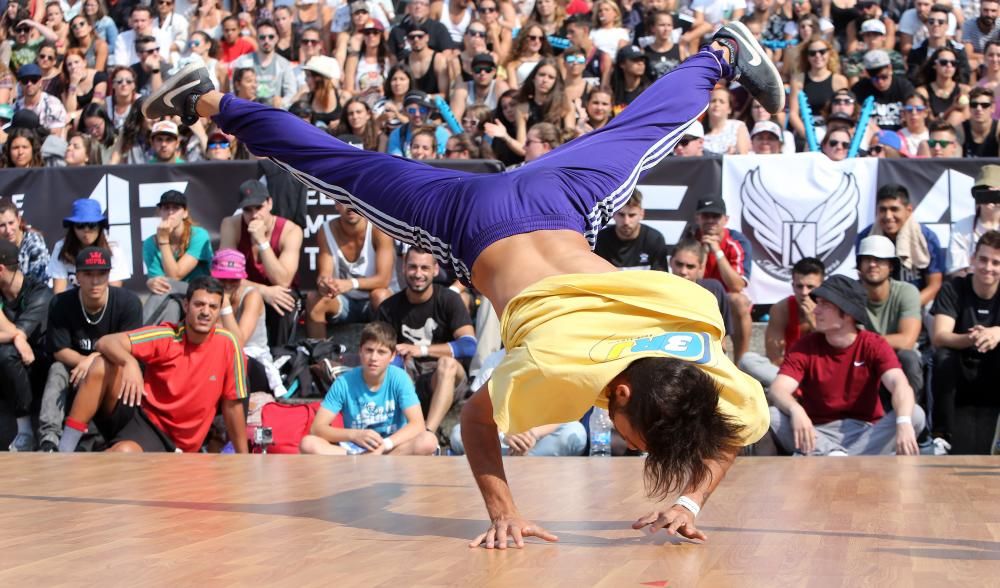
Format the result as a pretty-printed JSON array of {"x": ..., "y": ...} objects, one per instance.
[{"x": 600, "y": 433}]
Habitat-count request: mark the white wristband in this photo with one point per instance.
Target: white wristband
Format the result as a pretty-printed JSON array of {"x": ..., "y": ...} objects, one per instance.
[
  {"x": 226, "y": 310},
  {"x": 387, "y": 444},
  {"x": 424, "y": 351},
  {"x": 688, "y": 504},
  {"x": 904, "y": 420},
  {"x": 720, "y": 254},
  {"x": 354, "y": 283},
  {"x": 263, "y": 247}
]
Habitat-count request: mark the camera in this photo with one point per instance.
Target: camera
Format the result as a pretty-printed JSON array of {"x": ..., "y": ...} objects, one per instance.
[{"x": 263, "y": 436}]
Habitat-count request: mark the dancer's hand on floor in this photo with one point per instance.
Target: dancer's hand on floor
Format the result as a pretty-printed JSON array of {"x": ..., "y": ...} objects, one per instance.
[
  {"x": 510, "y": 527},
  {"x": 677, "y": 520}
]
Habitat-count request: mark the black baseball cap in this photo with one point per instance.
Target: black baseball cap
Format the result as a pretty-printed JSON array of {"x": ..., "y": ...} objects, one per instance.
[
  {"x": 8, "y": 252},
  {"x": 846, "y": 294},
  {"x": 173, "y": 197},
  {"x": 483, "y": 59},
  {"x": 714, "y": 205},
  {"x": 93, "y": 258},
  {"x": 419, "y": 98},
  {"x": 252, "y": 193}
]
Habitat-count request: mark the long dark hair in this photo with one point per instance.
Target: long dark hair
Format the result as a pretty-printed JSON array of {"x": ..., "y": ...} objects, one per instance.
[
  {"x": 928, "y": 74},
  {"x": 387, "y": 87},
  {"x": 133, "y": 129},
  {"x": 32, "y": 137},
  {"x": 97, "y": 110},
  {"x": 369, "y": 137},
  {"x": 555, "y": 104},
  {"x": 72, "y": 245}
]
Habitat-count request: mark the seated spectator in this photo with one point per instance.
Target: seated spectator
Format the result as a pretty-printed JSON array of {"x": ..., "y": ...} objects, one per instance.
[
  {"x": 418, "y": 13},
  {"x": 81, "y": 151},
  {"x": 766, "y": 138},
  {"x": 202, "y": 47},
  {"x": 837, "y": 371},
  {"x": 484, "y": 87},
  {"x": 889, "y": 90},
  {"x": 688, "y": 262},
  {"x": 836, "y": 143},
  {"x": 893, "y": 307},
  {"x": 355, "y": 272},
  {"x": 85, "y": 227},
  {"x": 220, "y": 147},
  {"x": 887, "y": 145},
  {"x": 419, "y": 108},
  {"x": 271, "y": 245},
  {"x": 48, "y": 62},
  {"x": 709, "y": 15},
  {"x": 728, "y": 263},
  {"x": 177, "y": 253},
  {"x": 429, "y": 67},
  {"x": 597, "y": 108},
  {"x": 28, "y": 36},
  {"x": 165, "y": 406},
  {"x": 233, "y": 45},
  {"x": 33, "y": 254},
  {"x": 151, "y": 68},
  {"x": 966, "y": 332},
  {"x": 435, "y": 335},
  {"x": 966, "y": 232},
  {"x": 820, "y": 76},
  {"x": 22, "y": 333},
  {"x": 133, "y": 143},
  {"x": 877, "y": 32},
  {"x": 692, "y": 144},
  {"x": 630, "y": 244},
  {"x": 460, "y": 147},
  {"x": 83, "y": 85},
  {"x": 242, "y": 315},
  {"x": 23, "y": 148},
  {"x": 981, "y": 133},
  {"x": 542, "y": 98},
  {"x": 322, "y": 95},
  {"x": 530, "y": 46},
  {"x": 245, "y": 84},
  {"x": 921, "y": 259},
  {"x": 914, "y": 28},
  {"x": 724, "y": 135},
  {"x": 50, "y": 110},
  {"x": 663, "y": 53},
  {"x": 786, "y": 140},
  {"x": 947, "y": 96},
  {"x": 380, "y": 409},
  {"x": 124, "y": 96},
  {"x": 915, "y": 115},
  {"x": 629, "y": 77},
  {"x": 275, "y": 77},
  {"x": 940, "y": 29},
  {"x": 77, "y": 319},
  {"x": 990, "y": 76},
  {"x": 790, "y": 320},
  {"x": 166, "y": 143},
  {"x": 97, "y": 15},
  {"x": 174, "y": 26},
  {"x": 423, "y": 144},
  {"x": 977, "y": 32},
  {"x": 140, "y": 22}
]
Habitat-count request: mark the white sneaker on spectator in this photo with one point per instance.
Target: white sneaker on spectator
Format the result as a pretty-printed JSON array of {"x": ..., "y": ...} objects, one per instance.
[
  {"x": 22, "y": 442},
  {"x": 941, "y": 447},
  {"x": 837, "y": 453}
]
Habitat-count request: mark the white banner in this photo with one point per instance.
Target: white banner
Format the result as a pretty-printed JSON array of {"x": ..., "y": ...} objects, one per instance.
[{"x": 795, "y": 206}]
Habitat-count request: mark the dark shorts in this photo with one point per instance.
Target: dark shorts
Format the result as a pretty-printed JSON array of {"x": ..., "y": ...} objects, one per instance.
[
  {"x": 424, "y": 384},
  {"x": 131, "y": 423}
]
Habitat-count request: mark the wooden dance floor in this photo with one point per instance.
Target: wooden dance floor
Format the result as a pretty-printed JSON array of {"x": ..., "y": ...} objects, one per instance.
[{"x": 198, "y": 520}]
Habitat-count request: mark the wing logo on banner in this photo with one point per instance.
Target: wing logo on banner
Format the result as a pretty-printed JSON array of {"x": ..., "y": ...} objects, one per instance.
[{"x": 780, "y": 240}]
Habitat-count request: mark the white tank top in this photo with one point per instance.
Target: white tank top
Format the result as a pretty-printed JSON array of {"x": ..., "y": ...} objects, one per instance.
[
  {"x": 490, "y": 99},
  {"x": 457, "y": 31},
  {"x": 362, "y": 267}
]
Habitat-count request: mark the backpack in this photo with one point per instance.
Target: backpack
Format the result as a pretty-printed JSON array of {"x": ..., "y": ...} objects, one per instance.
[{"x": 298, "y": 371}]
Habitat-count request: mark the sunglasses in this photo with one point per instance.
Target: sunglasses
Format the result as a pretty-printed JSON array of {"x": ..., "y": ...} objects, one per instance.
[
  {"x": 942, "y": 143},
  {"x": 46, "y": 57},
  {"x": 685, "y": 140},
  {"x": 266, "y": 37},
  {"x": 147, "y": 51},
  {"x": 875, "y": 150},
  {"x": 31, "y": 80},
  {"x": 482, "y": 69},
  {"x": 838, "y": 144},
  {"x": 310, "y": 41},
  {"x": 372, "y": 31},
  {"x": 842, "y": 101},
  {"x": 165, "y": 2},
  {"x": 219, "y": 145},
  {"x": 476, "y": 34},
  {"x": 983, "y": 105},
  {"x": 417, "y": 110},
  {"x": 487, "y": 9},
  {"x": 577, "y": 59},
  {"x": 471, "y": 122},
  {"x": 535, "y": 38},
  {"x": 815, "y": 52},
  {"x": 415, "y": 36},
  {"x": 86, "y": 226},
  {"x": 22, "y": 29},
  {"x": 946, "y": 62},
  {"x": 912, "y": 108},
  {"x": 78, "y": 25},
  {"x": 937, "y": 21},
  {"x": 882, "y": 77}
]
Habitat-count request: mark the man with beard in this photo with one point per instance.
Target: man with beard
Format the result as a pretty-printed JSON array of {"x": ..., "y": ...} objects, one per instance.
[
  {"x": 189, "y": 369},
  {"x": 435, "y": 334},
  {"x": 78, "y": 318},
  {"x": 629, "y": 244},
  {"x": 976, "y": 32}
]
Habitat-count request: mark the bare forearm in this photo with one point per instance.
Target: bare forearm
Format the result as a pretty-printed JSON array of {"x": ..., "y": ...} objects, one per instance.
[
  {"x": 409, "y": 431},
  {"x": 482, "y": 449},
  {"x": 115, "y": 348},
  {"x": 68, "y": 357},
  {"x": 331, "y": 434},
  {"x": 730, "y": 277},
  {"x": 952, "y": 340},
  {"x": 717, "y": 469}
]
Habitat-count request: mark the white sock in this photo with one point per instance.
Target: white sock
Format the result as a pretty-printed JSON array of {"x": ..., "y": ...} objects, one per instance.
[
  {"x": 69, "y": 440},
  {"x": 24, "y": 425}
]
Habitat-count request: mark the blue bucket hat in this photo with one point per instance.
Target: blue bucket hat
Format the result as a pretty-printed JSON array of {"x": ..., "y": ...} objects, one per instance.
[{"x": 85, "y": 210}]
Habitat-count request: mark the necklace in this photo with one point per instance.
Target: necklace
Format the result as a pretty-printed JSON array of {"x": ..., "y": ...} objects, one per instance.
[{"x": 86, "y": 315}]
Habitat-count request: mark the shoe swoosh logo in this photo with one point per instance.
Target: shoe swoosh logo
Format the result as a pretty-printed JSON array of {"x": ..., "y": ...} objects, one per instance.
[
  {"x": 168, "y": 98},
  {"x": 859, "y": 363},
  {"x": 747, "y": 44}
]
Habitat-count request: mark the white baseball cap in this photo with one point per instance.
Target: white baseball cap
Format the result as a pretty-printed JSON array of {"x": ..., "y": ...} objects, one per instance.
[
  {"x": 695, "y": 130},
  {"x": 766, "y": 126},
  {"x": 873, "y": 25},
  {"x": 877, "y": 246}
]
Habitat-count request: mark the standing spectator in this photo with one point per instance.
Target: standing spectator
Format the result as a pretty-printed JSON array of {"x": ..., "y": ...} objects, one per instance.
[
  {"x": 663, "y": 54},
  {"x": 893, "y": 307},
  {"x": 889, "y": 90},
  {"x": 966, "y": 333},
  {"x": 380, "y": 409},
  {"x": 97, "y": 15},
  {"x": 915, "y": 119},
  {"x": 724, "y": 135},
  {"x": 790, "y": 320},
  {"x": 921, "y": 259},
  {"x": 429, "y": 67},
  {"x": 966, "y": 232},
  {"x": 275, "y": 78},
  {"x": 947, "y": 97},
  {"x": 77, "y": 319},
  {"x": 692, "y": 143},
  {"x": 85, "y": 227},
  {"x": 939, "y": 36},
  {"x": 942, "y": 141},
  {"x": 630, "y": 244},
  {"x": 837, "y": 371},
  {"x": 435, "y": 335},
  {"x": 22, "y": 333},
  {"x": 177, "y": 403},
  {"x": 166, "y": 143},
  {"x": 982, "y": 136},
  {"x": 50, "y": 110},
  {"x": 355, "y": 272},
  {"x": 233, "y": 45},
  {"x": 140, "y": 25},
  {"x": 33, "y": 255},
  {"x": 271, "y": 245}
]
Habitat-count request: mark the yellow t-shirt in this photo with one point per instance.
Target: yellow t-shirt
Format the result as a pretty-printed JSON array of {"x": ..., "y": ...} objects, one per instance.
[{"x": 568, "y": 336}]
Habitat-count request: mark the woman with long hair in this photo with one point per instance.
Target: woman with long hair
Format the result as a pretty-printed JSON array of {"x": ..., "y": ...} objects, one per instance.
[
  {"x": 86, "y": 227},
  {"x": 500, "y": 132},
  {"x": 178, "y": 250},
  {"x": 8, "y": 85},
  {"x": 323, "y": 97},
  {"x": 82, "y": 150},
  {"x": 820, "y": 79},
  {"x": 352, "y": 39},
  {"x": 806, "y": 28},
  {"x": 133, "y": 141},
  {"x": 629, "y": 77},
  {"x": 288, "y": 38},
  {"x": 948, "y": 99},
  {"x": 95, "y": 122},
  {"x": 542, "y": 98},
  {"x": 23, "y": 148},
  {"x": 207, "y": 15},
  {"x": 724, "y": 135},
  {"x": 32, "y": 252},
  {"x": 530, "y": 46},
  {"x": 991, "y": 76},
  {"x": 201, "y": 46},
  {"x": 245, "y": 83},
  {"x": 357, "y": 119},
  {"x": 574, "y": 62},
  {"x": 499, "y": 36},
  {"x": 96, "y": 12},
  {"x": 597, "y": 110},
  {"x": 398, "y": 84},
  {"x": 123, "y": 95},
  {"x": 549, "y": 14},
  {"x": 365, "y": 72},
  {"x": 83, "y": 84},
  {"x": 47, "y": 60},
  {"x": 85, "y": 38},
  {"x": 607, "y": 32}
]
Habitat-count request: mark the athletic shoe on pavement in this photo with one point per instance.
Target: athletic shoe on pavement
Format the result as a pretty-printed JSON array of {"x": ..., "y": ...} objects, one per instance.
[
  {"x": 178, "y": 94},
  {"x": 23, "y": 442},
  {"x": 751, "y": 66}
]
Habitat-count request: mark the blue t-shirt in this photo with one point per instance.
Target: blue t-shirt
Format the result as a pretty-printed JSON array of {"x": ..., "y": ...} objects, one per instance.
[
  {"x": 917, "y": 277},
  {"x": 199, "y": 248},
  {"x": 399, "y": 141},
  {"x": 381, "y": 410}
]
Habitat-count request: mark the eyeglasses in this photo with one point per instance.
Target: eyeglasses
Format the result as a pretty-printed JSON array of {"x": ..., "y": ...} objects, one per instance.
[
  {"x": 219, "y": 145},
  {"x": 22, "y": 29},
  {"x": 415, "y": 36},
  {"x": 983, "y": 105},
  {"x": 149, "y": 51},
  {"x": 46, "y": 57},
  {"x": 267, "y": 37},
  {"x": 946, "y": 62},
  {"x": 369, "y": 32},
  {"x": 843, "y": 101},
  {"x": 942, "y": 143},
  {"x": 471, "y": 122},
  {"x": 477, "y": 34},
  {"x": 937, "y": 21},
  {"x": 123, "y": 81},
  {"x": 79, "y": 25},
  {"x": 487, "y": 9},
  {"x": 537, "y": 38},
  {"x": 815, "y": 52},
  {"x": 86, "y": 226},
  {"x": 417, "y": 110},
  {"x": 482, "y": 69},
  {"x": 875, "y": 150},
  {"x": 914, "y": 108},
  {"x": 577, "y": 59},
  {"x": 310, "y": 41},
  {"x": 838, "y": 144},
  {"x": 31, "y": 80}
]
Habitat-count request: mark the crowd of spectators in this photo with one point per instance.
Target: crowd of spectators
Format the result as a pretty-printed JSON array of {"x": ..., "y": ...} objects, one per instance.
[{"x": 493, "y": 79}]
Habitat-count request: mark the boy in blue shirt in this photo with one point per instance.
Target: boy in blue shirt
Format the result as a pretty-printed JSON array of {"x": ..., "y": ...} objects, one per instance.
[{"x": 379, "y": 404}]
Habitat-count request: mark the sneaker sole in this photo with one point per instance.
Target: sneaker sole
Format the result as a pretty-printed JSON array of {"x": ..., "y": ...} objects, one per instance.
[
  {"x": 168, "y": 86},
  {"x": 747, "y": 38}
]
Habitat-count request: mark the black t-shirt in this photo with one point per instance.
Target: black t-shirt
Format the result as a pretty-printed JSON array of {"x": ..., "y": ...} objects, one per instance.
[
  {"x": 30, "y": 310},
  {"x": 888, "y": 111},
  {"x": 434, "y": 321},
  {"x": 69, "y": 330},
  {"x": 662, "y": 63},
  {"x": 647, "y": 251},
  {"x": 958, "y": 300},
  {"x": 439, "y": 37},
  {"x": 719, "y": 291}
]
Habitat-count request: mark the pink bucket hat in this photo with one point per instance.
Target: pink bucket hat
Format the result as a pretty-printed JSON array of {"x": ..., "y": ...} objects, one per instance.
[{"x": 229, "y": 264}]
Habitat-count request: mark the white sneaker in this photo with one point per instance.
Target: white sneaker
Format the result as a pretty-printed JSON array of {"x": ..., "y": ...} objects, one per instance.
[
  {"x": 941, "y": 447},
  {"x": 23, "y": 442},
  {"x": 837, "y": 453}
]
